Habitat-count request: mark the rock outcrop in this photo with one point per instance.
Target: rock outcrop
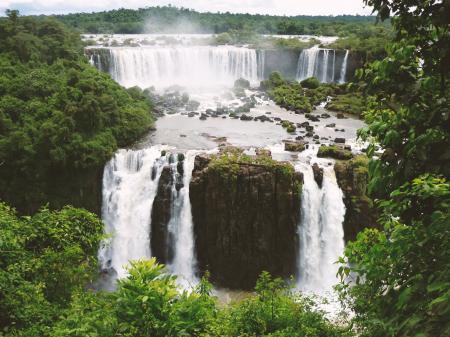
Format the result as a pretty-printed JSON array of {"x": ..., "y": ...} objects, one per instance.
[
  {"x": 245, "y": 211},
  {"x": 318, "y": 174},
  {"x": 352, "y": 178},
  {"x": 161, "y": 214},
  {"x": 294, "y": 146},
  {"x": 334, "y": 151}
]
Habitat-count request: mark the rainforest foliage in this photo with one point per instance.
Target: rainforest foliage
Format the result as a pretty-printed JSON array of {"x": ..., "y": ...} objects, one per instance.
[
  {"x": 303, "y": 96},
  {"x": 397, "y": 280},
  {"x": 169, "y": 19},
  {"x": 48, "y": 266},
  {"x": 45, "y": 260},
  {"x": 57, "y": 113}
]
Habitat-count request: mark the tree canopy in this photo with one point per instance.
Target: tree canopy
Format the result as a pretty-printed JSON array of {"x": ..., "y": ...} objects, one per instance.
[
  {"x": 57, "y": 113},
  {"x": 397, "y": 280},
  {"x": 170, "y": 19}
]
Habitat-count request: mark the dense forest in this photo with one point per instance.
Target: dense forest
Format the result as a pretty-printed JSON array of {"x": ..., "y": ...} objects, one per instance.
[
  {"x": 170, "y": 19},
  {"x": 59, "y": 116},
  {"x": 61, "y": 119}
]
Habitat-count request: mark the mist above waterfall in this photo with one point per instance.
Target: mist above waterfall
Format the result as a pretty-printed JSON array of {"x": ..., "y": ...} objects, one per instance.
[{"x": 157, "y": 24}]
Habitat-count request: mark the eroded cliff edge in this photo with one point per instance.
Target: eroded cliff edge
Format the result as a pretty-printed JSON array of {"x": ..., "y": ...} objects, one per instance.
[{"x": 245, "y": 211}]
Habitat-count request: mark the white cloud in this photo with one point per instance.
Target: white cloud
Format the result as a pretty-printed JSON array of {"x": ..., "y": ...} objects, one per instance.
[{"x": 278, "y": 7}]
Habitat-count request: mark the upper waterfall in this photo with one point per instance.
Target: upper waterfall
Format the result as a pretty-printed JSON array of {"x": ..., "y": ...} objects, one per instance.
[
  {"x": 324, "y": 64},
  {"x": 190, "y": 66}
]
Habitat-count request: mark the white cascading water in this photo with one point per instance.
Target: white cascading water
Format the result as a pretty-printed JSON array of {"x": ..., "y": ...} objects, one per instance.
[
  {"x": 201, "y": 66},
  {"x": 181, "y": 225},
  {"x": 344, "y": 68},
  {"x": 320, "y": 63},
  {"x": 307, "y": 63},
  {"x": 320, "y": 231},
  {"x": 261, "y": 62},
  {"x": 130, "y": 183}
]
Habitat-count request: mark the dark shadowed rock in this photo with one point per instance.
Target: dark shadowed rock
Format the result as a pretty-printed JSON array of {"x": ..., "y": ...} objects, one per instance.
[
  {"x": 161, "y": 213},
  {"x": 360, "y": 212},
  {"x": 318, "y": 174},
  {"x": 244, "y": 117},
  {"x": 245, "y": 212}
]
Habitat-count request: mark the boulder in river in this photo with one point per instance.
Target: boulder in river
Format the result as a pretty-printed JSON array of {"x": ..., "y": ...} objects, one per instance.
[
  {"x": 335, "y": 152},
  {"x": 294, "y": 146},
  {"x": 244, "y": 117}
]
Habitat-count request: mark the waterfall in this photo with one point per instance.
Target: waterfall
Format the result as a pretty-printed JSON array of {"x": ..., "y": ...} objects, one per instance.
[
  {"x": 324, "y": 66},
  {"x": 320, "y": 231},
  {"x": 261, "y": 60},
  {"x": 130, "y": 183},
  {"x": 183, "y": 263},
  {"x": 307, "y": 63},
  {"x": 333, "y": 69},
  {"x": 188, "y": 66},
  {"x": 344, "y": 68},
  {"x": 320, "y": 63}
]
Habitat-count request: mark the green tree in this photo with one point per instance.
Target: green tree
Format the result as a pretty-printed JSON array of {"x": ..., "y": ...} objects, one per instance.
[
  {"x": 397, "y": 280},
  {"x": 44, "y": 260},
  {"x": 276, "y": 311},
  {"x": 60, "y": 117}
]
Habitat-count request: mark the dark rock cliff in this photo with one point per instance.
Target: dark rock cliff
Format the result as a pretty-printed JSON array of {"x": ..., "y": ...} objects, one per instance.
[
  {"x": 352, "y": 178},
  {"x": 161, "y": 214},
  {"x": 59, "y": 187},
  {"x": 245, "y": 212}
]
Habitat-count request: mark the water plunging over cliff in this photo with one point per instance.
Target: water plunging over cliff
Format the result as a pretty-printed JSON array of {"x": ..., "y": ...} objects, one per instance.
[
  {"x": 324, "y": 64},
  {"x": 130, "y": 182},
  {"x": 130, "y": 185},
  {"x": 199, "y": 66},
  {"x": 344, "y": 68},
  {"x": 320, "y": 231},
  {"x": 181, "y": 225},
  {"x": 146, "y": 195}
]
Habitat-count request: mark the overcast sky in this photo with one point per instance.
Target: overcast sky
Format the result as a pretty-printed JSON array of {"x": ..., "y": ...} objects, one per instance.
[{"x": 277, "y": 7}]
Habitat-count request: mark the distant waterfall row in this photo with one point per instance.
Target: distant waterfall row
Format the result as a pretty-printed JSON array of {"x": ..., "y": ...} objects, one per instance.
[
  {"x": 322, "y": 64},
  {"x": 206, "y": 66},
  {"x": 130, "y": 186},
  {"x": 199, "y": 66}
]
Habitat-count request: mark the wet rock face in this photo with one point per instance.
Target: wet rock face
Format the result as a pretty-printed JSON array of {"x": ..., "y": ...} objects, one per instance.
[
  {"x": 161, "y": 213},
  {"x": 245, "y": 218},
  {"x": 352, "y": 178},
  {"x": 318, "y": 174}
]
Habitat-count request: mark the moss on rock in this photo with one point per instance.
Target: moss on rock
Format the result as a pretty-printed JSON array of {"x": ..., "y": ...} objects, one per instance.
[
  {"x": 335, "y": 152},
  {"x": 352, "y": 177},
  {"x": 245, "y": 211}
]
